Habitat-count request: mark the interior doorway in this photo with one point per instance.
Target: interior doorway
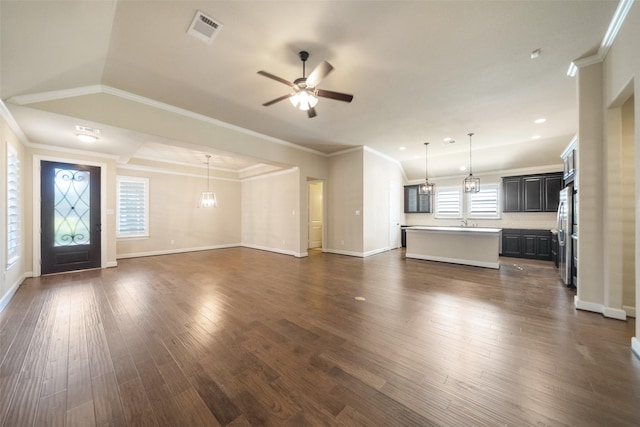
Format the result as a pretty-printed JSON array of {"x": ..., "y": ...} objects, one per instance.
[{"x": 315, "y": 191}]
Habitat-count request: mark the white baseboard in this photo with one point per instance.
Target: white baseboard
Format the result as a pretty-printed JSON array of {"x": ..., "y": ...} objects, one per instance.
[
  {"x": 112, "y": 264},
  {"x": 4, "y": 301},
  {"x": 613, "y": 313},
  {"x": 348, "y": 253},
  {"x": 631, "y": 311},
  {"x": 357, "y": 254},
  {"x": 176, "y": 251},
  {"x": 276, "y": 250},
  {"x": 635, "y": 346},
  {"x": 376, "y": 251}
]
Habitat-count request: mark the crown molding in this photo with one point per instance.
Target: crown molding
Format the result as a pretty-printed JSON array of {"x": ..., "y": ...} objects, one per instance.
[
  {"x": 607, "y": 41},
  {"x": 8, "y": 117},
  {"x": 108, "y": 90}
]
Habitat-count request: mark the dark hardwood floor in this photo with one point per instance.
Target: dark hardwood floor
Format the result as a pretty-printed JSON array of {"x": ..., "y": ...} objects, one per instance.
[{"x": 242, "y": 337}]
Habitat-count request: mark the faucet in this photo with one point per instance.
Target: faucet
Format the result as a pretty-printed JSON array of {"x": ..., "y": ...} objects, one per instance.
[{"x": 464, "y": 222}]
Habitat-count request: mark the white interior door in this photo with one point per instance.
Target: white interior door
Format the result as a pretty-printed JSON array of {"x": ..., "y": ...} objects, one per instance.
[{"x": 315, "y": 214}]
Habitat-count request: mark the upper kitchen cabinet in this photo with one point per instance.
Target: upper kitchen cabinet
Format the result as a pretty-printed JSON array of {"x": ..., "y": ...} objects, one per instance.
[
  {"x": 414, "y": 202},
  {"x": 531, "y": 193},
  {"x": 570, "y": 159}
]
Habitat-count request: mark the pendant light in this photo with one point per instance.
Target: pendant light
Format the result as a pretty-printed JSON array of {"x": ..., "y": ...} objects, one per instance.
[
  {"x": 426, "y": 188},
  {"x": 471, "y": 184},
  {"x": 208, "y": 198}
]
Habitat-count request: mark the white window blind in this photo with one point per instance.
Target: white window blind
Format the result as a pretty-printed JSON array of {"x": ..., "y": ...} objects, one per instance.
[
  {"x": 132, "y": 218},
  {"x": 13, "y": 206},
  {"x": 448, "y": 203},
  {"x": 484, "y": 204}
]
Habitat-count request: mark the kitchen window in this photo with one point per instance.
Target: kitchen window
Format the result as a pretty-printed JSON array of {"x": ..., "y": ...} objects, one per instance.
[
  {"x": 132, "y": 218},
  {"x": 485, "y": 203},
  {"x": 448, "y": 203},
  {"x": 13, "y": 206}
]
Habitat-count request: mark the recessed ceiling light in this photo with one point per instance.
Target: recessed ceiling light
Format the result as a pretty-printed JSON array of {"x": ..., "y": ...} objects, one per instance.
[
  {"x": 403, "y": 148},
  {"x": 535, "y": 53},
  {"x": 463, "y": 168},
  {"x": 448, "y": 140},
  {"x": 536, "y": 137},
  {"x": 540, "y": 120},
  {"x": 86, "y": 138}
]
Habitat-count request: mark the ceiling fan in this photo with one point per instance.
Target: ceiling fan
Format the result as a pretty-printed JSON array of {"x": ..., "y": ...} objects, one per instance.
[{"x": 305, "y": 91}]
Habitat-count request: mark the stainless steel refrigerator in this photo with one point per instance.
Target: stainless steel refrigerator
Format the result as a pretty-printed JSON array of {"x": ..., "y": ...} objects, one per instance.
[{"x": 565, "y": 223}]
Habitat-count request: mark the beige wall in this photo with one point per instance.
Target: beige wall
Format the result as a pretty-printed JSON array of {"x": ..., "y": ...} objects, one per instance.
[
  {"x": 270, "y": 211},
  {"x": 345, "y": 203},
  {"x": 175, "y": 221},
  {"x": 604, "y": 120},
  {"x": 379, "y": 173}
]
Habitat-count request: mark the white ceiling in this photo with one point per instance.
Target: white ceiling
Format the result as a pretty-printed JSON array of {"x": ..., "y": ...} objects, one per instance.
[{"x": 419, "y": 71}]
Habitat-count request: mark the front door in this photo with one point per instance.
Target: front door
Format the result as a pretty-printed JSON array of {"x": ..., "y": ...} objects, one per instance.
[{"x": 70, "y": 217}]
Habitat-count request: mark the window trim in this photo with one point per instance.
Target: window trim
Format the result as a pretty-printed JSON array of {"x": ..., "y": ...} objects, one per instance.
[{"x": 132, "y": 235}]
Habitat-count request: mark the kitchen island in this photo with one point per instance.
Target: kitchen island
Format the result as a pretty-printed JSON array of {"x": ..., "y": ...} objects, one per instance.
[{"x": 477, "y": 246}]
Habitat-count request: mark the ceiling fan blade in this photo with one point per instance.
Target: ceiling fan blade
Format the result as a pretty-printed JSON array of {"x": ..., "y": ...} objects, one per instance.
[
  {"x": 311, "y": 112},
  {"x": 319, "y": 73},
  {"x": 334, "y": 95},
  {"x": 273, "y": 101},
  {"x": 276, "y": 78}
]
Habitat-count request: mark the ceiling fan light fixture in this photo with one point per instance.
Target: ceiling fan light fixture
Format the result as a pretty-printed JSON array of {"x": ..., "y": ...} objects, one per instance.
[{"x": 304, "y": 99}]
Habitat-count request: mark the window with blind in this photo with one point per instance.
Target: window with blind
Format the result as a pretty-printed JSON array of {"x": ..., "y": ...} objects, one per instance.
[
  {"x": 484, "y": 204},
  {"x": 448, "y": 203},
  {"x": 13, "y": 206},
  {"x": 132, "y": 212}
]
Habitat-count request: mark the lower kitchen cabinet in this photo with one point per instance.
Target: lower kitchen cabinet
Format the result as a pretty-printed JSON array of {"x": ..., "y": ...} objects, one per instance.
[{"x": 531, "y": 244}]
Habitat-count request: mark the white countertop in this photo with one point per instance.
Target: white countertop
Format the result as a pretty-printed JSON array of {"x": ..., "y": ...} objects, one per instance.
[{"x": 455, "y": 229}]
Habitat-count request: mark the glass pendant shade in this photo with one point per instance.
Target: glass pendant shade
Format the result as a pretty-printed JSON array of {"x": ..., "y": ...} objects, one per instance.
[
  {"x": 304, "y": 100},
  {"x": 208, "y": 198},
  {"x": 470, "y": 183},
  {"x": 426, "y": 188}
]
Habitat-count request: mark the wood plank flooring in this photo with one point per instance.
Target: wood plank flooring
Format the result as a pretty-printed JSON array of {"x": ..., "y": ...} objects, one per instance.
[{"x": 240, "y": 337}]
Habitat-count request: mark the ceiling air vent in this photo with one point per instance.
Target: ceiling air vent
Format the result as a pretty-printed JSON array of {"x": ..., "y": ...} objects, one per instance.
[{"x": 204, "y": 28}]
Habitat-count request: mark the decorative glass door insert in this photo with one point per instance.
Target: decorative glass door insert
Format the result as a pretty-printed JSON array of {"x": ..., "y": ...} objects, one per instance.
[{"x": 72, "y": 207}]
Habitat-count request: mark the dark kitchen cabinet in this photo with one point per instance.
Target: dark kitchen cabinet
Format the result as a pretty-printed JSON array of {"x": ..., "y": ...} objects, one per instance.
[
  {"x": 530, "y": 244},
  {"x": 552, "y": 186},
  {"x": 512, "y": 194},
  {"x": 531, "y": 193},
  {"x": 414, "y": 202}
]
